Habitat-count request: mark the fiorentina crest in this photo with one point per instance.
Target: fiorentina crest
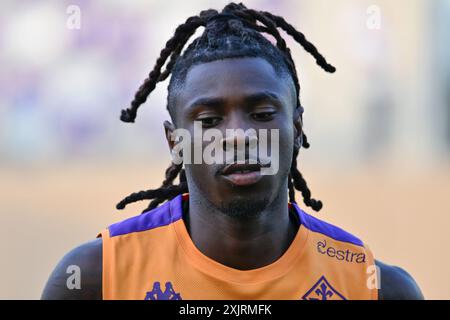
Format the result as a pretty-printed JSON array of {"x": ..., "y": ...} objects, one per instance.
[{"x": 322, "y": 290}]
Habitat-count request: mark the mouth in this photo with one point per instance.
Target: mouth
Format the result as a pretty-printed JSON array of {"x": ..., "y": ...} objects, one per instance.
[{"x": 242, "y": 174}]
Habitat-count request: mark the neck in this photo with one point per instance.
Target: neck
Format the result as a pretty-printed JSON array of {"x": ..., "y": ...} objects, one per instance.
[{"x": 242, "y": 244}]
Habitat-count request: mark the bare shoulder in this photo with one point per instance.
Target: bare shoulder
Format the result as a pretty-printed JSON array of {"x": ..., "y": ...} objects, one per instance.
[
  {"x": 78, "y": 276},
  {"x": 397, "y": 284}
]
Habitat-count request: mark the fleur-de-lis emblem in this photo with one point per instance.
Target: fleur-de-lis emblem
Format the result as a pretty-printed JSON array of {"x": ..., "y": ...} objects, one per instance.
[{"x": 322, "y": 290}]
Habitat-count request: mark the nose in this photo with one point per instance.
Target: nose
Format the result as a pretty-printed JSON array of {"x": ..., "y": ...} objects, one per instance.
[
  {"x": 236, "y": 138},
  {"x": 236, "y": 131}
]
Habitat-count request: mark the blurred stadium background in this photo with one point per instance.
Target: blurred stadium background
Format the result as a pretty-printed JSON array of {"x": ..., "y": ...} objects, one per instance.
[{"x": 379, "y": 127}]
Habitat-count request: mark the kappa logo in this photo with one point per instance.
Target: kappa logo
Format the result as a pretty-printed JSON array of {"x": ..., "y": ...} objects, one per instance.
[
  {"x": 322, "y": 290},
  {"x": 157, "y": 294}
]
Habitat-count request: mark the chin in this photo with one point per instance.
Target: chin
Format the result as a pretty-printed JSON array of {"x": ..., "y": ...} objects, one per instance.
[{"x": 244, "y": 207}]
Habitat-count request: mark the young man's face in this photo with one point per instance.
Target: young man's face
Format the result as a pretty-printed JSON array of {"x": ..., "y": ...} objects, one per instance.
[{"x": 219, "y": 94}]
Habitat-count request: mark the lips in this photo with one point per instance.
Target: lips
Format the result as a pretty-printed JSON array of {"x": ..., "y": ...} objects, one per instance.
[
  {"x": 242, "y": 174},
  {"x": 240, "y": 168}
]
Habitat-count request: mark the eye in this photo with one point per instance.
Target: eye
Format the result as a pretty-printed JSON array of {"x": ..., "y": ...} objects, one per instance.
[
  {"x": 208, "y": 122},
  {"x": 263, "y": 116}
]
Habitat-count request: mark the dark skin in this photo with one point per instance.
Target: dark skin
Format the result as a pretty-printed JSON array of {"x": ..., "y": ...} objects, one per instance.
[{"x": 231, "y": 93}]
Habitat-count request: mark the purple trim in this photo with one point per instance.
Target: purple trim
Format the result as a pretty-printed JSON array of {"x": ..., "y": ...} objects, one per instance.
[
  {"x": 171, "y": 211},
  {"x": 327, "y": 229},
  {"x": 164, "y": 215}
]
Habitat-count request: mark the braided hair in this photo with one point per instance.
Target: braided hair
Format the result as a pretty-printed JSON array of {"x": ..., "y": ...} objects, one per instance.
[{"x": 234, "y": 32}]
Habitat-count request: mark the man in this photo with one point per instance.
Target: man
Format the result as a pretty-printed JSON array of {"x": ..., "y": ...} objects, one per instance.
[{"x": 227, "y": 231}]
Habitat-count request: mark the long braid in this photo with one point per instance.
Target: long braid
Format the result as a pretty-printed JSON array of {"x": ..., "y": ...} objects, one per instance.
[
  {"x": 249, "y": 19},
  {"x": 301, "y": 39},
  {"x": 166, "y": 193},
  {"x": 171, "y": 173},
  {"x": 300, "y": 184},
  {"x": 173, "y": 58},
  {"x": 272, "y": 22},
  {"x": 205, "y": 15},
  {"x": 191, "y": 24},
  {"x": 309, "y": 47}
]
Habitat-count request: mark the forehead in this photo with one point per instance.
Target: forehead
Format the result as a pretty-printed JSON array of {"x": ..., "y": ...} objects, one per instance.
[{"x": 234, "y": 78}]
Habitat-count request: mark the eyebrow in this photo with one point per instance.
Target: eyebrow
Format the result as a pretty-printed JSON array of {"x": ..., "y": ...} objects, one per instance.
[{"x": 251, "y": 99}]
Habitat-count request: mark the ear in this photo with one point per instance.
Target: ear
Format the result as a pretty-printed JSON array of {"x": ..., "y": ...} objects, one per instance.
[
  {"x": 298, "y": 126},
  {"x": 169, "y": 129}
]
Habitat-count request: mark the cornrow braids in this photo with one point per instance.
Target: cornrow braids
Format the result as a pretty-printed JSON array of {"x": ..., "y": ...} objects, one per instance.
[{"x": 235, "y": 32}]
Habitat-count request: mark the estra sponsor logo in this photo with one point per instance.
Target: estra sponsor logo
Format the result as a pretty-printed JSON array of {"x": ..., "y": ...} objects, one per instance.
[{"x": 341, "y": 255}]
